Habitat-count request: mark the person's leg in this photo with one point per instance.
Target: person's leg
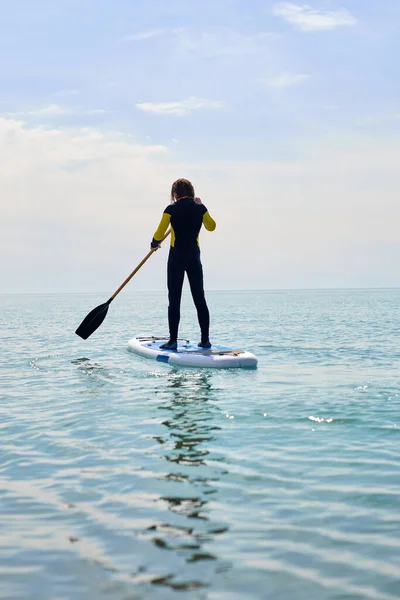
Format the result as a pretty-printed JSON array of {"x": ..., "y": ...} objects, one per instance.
[
  {"x": 175, "y": 275},
  {"x": 194, "y": 271}
]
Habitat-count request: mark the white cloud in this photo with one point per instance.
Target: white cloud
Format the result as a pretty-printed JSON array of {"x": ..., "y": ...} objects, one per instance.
[
  {"x": 89, "y": 202},
  {"x": 84, "y": 193},
  {"x": 49, "y": 111},
  {"x": 178, "y": 108},
  {"x": 54, "y": 110},
  {"x": 305, "y": 18},
  {"x": 97, "y": 111},
  {"x": 285, "y": 80},
  {"x": 216, "y": 41},
  {"x": 221, "y": 41},
  {"x": 142, "y": 35}
]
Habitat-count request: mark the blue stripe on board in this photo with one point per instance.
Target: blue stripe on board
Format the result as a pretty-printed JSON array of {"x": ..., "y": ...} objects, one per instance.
[{"x": 162, "y": 357}]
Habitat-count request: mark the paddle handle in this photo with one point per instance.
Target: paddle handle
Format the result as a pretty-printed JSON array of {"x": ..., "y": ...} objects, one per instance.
[{"x": 127, "y": 280}]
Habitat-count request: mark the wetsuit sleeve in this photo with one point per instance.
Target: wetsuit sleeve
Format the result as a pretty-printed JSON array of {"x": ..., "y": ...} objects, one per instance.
[
  {"x": 208, "y": 221},
  {"x": 162, "y": 228}
]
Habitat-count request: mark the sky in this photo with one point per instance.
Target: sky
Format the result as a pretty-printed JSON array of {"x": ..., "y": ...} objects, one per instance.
[{"x": 284, "y": 115}]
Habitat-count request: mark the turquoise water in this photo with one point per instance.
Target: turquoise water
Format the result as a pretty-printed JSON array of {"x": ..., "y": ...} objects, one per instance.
[{"x": 125, "y": 479}]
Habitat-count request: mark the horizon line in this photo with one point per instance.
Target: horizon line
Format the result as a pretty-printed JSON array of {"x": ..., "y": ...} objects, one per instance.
[{"x": 230, "y": 290}]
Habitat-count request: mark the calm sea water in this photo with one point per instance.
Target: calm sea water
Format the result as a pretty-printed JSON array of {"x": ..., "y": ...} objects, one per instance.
[{"x": 124, "y": 479}]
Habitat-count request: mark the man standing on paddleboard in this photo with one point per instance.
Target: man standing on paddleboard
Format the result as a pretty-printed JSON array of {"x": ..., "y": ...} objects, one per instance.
[{"x": 186, "y": 214}]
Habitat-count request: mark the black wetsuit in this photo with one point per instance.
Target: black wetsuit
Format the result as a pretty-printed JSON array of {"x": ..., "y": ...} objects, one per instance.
[{"x": 186, "y": 218}]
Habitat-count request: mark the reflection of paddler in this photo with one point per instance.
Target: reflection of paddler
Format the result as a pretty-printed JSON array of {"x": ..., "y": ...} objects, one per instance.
[
  {"x": 191, "y": 428},
  {"x": 186, "y": 214},
  {"x": 189, "y": 421}
]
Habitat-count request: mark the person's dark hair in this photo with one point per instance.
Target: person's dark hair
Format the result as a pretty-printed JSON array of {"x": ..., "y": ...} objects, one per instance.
[{"x": 182, "y": 188}]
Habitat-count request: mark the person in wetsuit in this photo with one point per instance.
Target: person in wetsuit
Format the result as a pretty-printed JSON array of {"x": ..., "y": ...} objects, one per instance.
[{"x": 186, "y": 214}]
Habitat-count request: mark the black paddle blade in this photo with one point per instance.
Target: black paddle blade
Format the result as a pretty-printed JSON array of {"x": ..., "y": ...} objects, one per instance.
[{"x": 93, "y": 320}]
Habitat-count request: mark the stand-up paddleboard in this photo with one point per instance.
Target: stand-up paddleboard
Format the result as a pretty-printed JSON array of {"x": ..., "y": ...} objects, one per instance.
[{"x": 189, "y": 354}]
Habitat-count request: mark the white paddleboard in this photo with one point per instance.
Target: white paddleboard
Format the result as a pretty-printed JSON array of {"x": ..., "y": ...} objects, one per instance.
[{"x": 189, "y": 354}]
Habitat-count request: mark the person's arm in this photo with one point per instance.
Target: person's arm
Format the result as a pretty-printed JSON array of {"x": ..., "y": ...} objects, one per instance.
[
  {"x": 208, "y": 221},
  {"x": 162, "y": 228}
]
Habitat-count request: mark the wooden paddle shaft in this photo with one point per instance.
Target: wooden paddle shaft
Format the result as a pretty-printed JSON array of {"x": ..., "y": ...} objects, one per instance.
[{"x": 127, "y": 280}]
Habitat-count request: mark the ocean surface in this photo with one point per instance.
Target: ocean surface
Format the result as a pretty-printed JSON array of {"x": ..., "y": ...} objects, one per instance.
[{"x": 125, "y": 479}]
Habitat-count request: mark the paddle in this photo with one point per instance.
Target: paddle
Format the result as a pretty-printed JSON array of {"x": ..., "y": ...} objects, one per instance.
[{"x": 96, "y": 316}]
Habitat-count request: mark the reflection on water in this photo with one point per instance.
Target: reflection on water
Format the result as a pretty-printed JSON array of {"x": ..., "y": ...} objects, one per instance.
[
  {"x": 92, "y": 373},
  {"x": 190, "y": 429},
  {"x": 89, "y": 368}
]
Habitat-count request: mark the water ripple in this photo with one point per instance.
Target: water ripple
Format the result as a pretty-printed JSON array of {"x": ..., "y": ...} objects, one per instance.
[{"x": 122, "y": 479}]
